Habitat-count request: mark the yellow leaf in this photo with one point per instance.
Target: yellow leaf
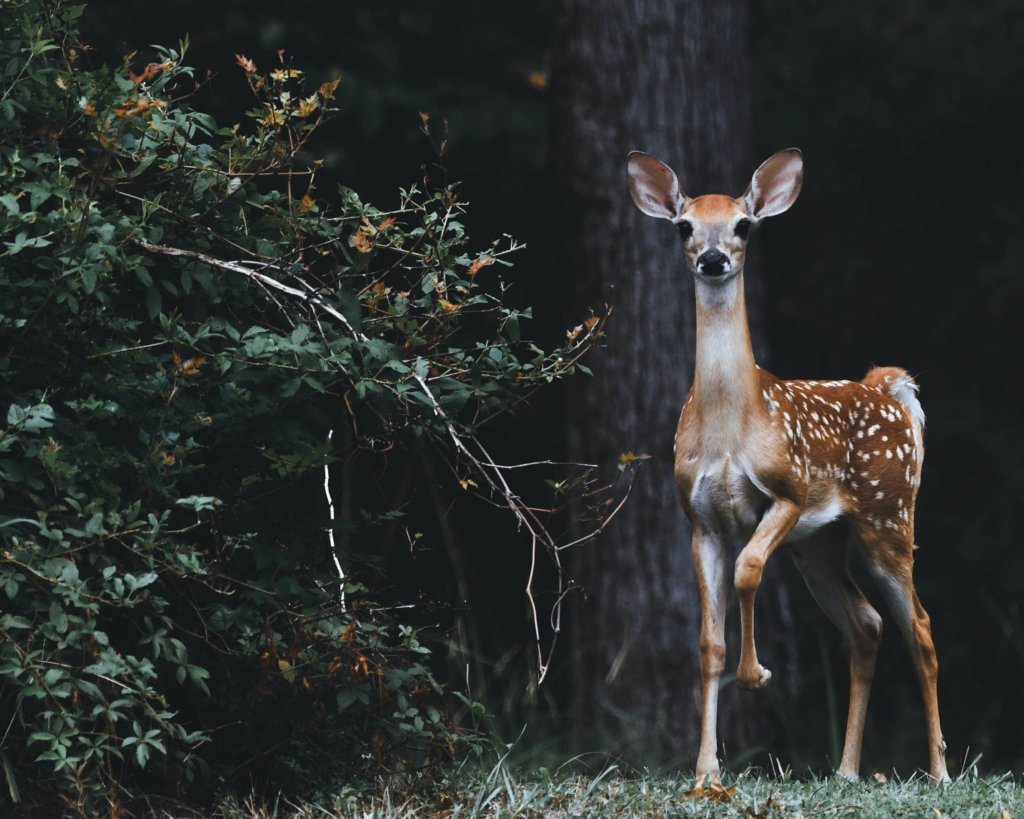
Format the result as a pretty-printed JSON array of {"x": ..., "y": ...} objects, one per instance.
[
  {"x": 307, "y": 106},
  {"x": 282, "y": 74},
  {"x": 628, "y": 457},
  {"x": 287, "y": 670},
  {"x": 62, "y": 83},
  {"x": 306, "y": 205},
  {"x": 538, "y": 80},
  {"x": 168, "y": 459},
  {"x": 327, "y": 89},
  {"x": 465, "y": 483},
  {"x": 447, "y": 306},
  {"x": 274, "y": 117}
]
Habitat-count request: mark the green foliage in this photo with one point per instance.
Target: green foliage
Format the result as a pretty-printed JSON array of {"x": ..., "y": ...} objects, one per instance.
[{"x": 186, "y": 320}]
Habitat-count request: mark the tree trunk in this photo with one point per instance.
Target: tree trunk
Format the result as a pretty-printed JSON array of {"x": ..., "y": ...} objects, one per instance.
[{"x": 670, "y": 78}]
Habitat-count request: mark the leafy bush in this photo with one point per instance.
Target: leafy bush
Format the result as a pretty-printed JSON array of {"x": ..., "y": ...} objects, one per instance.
[{"x": 193, "y": 337}]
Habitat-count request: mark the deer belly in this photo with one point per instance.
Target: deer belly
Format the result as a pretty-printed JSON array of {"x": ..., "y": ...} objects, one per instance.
[
  {"x": 725, "y": 500},
  {"x": 818, "y": 513}
]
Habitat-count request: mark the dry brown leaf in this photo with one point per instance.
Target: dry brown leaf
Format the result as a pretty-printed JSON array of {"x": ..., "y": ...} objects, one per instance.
[
  {"x": 715, "y": 791},
  {"x": 247, "y": 65},
  {"x": 879, "y": 777},
  {"x": 362, "y": 239},
  {"x": 149, "y": 72},
  {"x": 475, "y": 267}
]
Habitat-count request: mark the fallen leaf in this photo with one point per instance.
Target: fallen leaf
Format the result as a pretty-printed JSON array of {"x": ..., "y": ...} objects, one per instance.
[
  {"x": 879, "y": 777},
  {"x": 715, "y": 791}
]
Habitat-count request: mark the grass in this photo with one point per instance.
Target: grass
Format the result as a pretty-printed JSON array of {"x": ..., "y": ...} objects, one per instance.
[{"x": 501, "y": 792}]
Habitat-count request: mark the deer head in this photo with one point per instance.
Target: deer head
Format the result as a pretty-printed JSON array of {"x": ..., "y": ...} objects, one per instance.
[{"x": 715, "y": 228}]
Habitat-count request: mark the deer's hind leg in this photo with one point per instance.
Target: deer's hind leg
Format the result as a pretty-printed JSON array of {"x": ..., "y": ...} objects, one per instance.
[
  {"x": 889, "y": 554},
  {"x": 823, "y": 564}
]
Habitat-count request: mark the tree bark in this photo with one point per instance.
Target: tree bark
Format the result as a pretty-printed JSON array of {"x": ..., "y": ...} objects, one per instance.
[{"x": 670, "y": 78}]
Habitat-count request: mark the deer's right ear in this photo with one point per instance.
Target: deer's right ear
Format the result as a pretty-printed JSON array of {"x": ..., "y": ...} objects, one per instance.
[{"x": 654, "y": 186}]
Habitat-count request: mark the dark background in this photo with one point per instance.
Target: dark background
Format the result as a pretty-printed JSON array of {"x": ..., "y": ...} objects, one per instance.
[{"x": 905, "y": 248}]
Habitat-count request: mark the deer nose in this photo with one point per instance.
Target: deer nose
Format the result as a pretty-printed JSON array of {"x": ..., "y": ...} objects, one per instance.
[{"x": 712, "y": 263}]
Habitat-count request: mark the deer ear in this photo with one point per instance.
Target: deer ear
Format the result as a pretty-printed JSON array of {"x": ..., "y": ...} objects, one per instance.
[
  {"x": 653, "y": 186},
  {"x": 776, "y": 184}
]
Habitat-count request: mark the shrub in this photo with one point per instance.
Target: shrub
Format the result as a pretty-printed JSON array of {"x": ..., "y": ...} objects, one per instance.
[{"x": 193, "y": 336}]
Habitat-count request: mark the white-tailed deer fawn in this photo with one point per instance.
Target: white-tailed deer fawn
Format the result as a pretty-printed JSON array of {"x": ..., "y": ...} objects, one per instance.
[{"x": 759, "y": 461}]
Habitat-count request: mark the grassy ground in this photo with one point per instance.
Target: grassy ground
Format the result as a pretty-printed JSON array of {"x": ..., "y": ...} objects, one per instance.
[{"x": 751, "y": 795}]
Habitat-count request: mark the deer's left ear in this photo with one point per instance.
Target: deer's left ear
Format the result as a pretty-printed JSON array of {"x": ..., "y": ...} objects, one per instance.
[{"x": 776, "y": 184}]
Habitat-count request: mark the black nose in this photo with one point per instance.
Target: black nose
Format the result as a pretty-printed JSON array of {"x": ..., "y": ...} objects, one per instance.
[{"x": 712, "y": 263}]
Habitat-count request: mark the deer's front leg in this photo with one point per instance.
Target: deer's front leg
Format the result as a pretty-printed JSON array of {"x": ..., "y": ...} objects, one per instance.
[
  {"x": 774, "y": 527},
  {"x": 709, "y": 562}
]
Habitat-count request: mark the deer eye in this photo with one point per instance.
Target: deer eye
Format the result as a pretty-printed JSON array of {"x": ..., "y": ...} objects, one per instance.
[
  {"x": 743, "y": 228},
  {"x": 685, "y": 230}
]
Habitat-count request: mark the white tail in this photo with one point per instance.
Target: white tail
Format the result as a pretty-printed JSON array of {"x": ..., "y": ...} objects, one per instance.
[{"x": 760, "y": 461}]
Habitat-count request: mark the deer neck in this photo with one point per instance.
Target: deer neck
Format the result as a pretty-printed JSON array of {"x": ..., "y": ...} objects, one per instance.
[{"x": 726, "y": 381}]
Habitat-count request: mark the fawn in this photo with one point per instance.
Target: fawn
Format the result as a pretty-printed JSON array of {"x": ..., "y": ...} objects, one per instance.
[{"x": 760, "y": 461}]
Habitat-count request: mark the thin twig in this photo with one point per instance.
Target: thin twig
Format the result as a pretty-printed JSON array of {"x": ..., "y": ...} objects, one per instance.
[{"x": 330, "y": 529}]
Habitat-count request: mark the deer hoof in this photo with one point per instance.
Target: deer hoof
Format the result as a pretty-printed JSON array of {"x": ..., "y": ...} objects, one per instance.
[{"x": 752, "y": 681}]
